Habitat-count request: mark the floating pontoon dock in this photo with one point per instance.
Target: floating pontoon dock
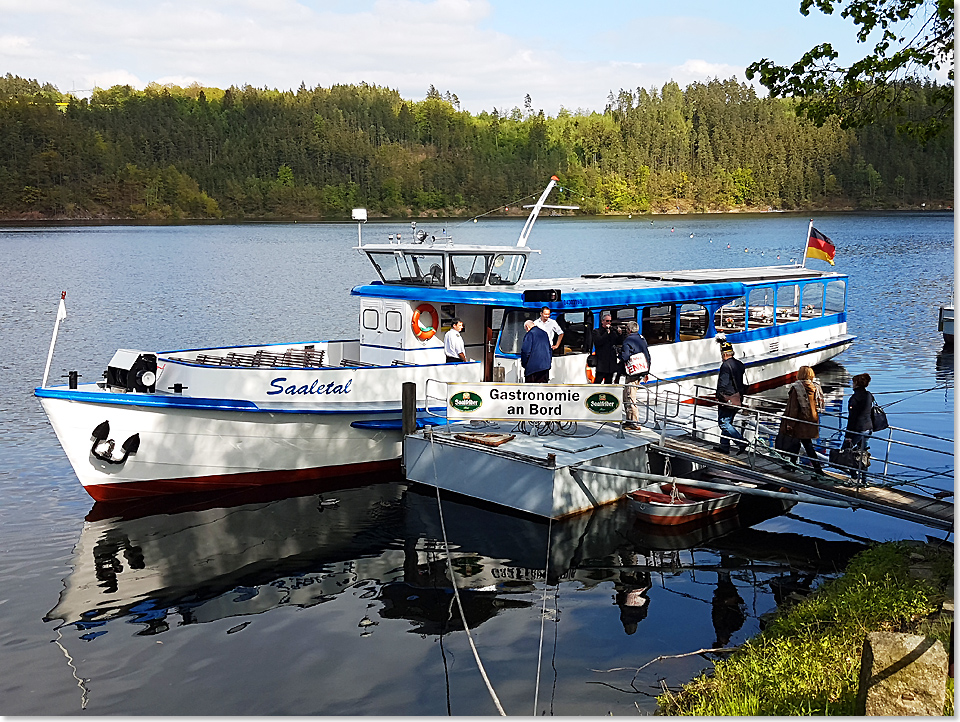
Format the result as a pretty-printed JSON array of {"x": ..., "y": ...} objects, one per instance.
[{"x": 553, "y": 471}]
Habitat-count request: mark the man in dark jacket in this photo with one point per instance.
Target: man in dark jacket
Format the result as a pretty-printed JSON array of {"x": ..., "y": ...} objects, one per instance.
[
  {"x": 604, "y": 346},
  {"x": 535, "y": 354},
  {"x": 633, "y": 344},
  {"x": 730, "y": 393}
]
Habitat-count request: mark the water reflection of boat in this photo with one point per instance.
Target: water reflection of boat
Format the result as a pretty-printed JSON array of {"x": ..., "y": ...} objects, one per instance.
[
  {"x": 234, "y": 555},
  {"x": 298, "y": 550}
]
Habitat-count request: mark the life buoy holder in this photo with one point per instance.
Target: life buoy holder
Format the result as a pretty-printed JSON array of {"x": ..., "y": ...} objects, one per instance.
[{"x": 425, "y": 334}]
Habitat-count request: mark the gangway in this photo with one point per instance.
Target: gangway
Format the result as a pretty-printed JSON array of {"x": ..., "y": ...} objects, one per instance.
[{"x": 694, "y": 435}]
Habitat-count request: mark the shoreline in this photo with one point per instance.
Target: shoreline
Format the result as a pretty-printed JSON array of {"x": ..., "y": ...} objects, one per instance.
[{"x": 36, "y": 220}]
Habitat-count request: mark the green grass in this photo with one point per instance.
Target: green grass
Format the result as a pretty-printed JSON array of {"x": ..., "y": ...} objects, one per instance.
[{"x": 807, "y": 661}]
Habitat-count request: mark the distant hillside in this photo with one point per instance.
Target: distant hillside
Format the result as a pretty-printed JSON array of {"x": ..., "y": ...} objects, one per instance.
[{"x": 184, "y": 153}]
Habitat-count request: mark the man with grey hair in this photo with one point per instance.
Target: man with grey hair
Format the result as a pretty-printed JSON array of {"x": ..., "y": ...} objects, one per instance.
[
  {"x": 535, "y": 354},
  {"x": 636, "y": 359}
]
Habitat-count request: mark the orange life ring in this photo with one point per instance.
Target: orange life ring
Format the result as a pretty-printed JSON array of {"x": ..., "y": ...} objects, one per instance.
[{"x": 425, "y": 334}]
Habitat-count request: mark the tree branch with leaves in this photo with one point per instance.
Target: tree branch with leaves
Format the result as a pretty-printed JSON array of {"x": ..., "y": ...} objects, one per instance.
[{"x": 915, "y": 42}]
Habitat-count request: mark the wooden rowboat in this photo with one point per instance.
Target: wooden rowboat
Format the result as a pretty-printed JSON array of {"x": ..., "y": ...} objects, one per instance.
[{"x": 679, "y": 504}]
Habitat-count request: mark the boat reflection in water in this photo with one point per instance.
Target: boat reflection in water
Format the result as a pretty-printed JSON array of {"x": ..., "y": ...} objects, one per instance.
[{"x": 196, "y": 560}]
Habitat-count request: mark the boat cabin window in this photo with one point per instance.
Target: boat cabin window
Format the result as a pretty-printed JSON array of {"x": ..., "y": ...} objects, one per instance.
[
  {"x": 835, "y": 297},
  {"x": 694, "y": 321},
  {"x": 507, "y": 269},
  {"x": 729, "y": 318},
  {"x": 577, "y": 331},
  {"x": 511, "y": 335},
  {"x": 371, "y": 319},
  {"x": 410, "y": 269},
  {"x": 469, "y": 270},
  {"x": 761, "y": 307},
  {"x": 393, "y": 320},
  {"x": 812, "y": 301},
  {"x": 658, "y": 324},
  {"x": 788, "y": 303}
]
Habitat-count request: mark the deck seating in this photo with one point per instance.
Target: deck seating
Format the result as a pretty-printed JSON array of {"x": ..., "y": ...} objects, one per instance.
[
  {"x": 352, "y": 362},
  {"x": 290, "y": 357}
]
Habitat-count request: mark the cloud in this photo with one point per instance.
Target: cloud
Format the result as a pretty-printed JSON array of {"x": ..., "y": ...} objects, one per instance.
[{"x": 403, "y": 44}]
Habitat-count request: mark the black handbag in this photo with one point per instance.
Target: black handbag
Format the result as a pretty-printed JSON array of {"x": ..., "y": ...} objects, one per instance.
[
  {"x": 850, "y": 458},
  {"x": 879, "y": 418}
]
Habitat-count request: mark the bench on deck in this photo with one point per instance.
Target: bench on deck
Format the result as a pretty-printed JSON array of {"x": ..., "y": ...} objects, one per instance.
[
  {"x": 351, "y": 362},
  {"x": 306, "y": 359}
]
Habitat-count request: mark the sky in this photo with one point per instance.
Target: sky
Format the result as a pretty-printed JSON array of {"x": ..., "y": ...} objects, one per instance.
[{"x": 490, "y": 53}]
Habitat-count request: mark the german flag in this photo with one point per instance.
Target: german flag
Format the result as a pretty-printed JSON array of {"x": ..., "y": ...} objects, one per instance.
[{"x": 819, "y": 246}]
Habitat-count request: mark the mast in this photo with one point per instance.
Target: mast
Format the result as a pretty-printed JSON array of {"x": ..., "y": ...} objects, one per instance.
[
  {"x": 806, "y": 244},
  {"x": 532, "y": 218}
]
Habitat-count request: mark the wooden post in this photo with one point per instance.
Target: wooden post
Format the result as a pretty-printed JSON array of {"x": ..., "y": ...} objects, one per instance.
[{"x": 408, "y": 413}]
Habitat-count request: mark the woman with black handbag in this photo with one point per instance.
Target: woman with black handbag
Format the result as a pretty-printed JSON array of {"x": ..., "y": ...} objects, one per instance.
[{"x": 859, "y": 424}]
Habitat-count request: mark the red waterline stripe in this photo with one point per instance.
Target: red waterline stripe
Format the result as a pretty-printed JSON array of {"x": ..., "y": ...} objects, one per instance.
[{"x": 134, "y": 489}]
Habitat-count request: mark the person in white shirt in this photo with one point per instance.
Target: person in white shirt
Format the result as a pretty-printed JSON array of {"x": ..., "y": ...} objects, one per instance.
[
  {"x": 551, "y": 327},
  {"x": 453, "y": 343}
]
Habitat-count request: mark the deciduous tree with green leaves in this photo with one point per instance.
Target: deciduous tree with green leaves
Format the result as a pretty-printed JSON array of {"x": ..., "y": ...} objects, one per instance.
[{"x": 915, "y": 41}]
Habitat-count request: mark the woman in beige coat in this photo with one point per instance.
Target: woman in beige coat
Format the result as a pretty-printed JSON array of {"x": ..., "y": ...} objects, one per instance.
[{"x": 801, "y": 420}]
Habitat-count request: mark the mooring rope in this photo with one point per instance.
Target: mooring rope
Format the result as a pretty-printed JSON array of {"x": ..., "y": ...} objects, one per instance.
[
  {"x": 543, "y": 614},
  {"x": 456, "y": 593}
]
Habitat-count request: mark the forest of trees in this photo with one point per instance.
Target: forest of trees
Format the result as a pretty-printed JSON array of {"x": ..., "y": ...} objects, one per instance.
[{"x": 178, "y": 153}]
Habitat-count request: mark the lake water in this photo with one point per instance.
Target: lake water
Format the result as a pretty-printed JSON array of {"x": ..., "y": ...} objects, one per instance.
[{"x": 335, "y": 600}]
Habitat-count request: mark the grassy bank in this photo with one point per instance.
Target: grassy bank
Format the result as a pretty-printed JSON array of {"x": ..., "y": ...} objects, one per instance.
[{"x": 807, "y": 661}]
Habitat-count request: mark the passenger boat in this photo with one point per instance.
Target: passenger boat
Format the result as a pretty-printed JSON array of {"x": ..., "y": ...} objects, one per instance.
[
  {"x": 945, "y": 323},
  {"x": 209, "y": 418},
  {"x": 672, "y": 504}
]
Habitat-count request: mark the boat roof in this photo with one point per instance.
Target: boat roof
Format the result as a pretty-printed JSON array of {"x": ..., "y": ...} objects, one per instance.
[
  {"x": 599, "y": 289},
  {"x": 445, "y": 246}
]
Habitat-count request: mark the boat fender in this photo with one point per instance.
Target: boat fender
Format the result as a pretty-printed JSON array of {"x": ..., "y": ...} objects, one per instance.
[
  {"x": 425, "y": 334},
  {"x": 100, "y": 434}
]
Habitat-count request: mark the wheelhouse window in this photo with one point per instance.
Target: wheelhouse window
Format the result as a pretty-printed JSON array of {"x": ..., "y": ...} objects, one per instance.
[
  {"x": 812, "y": 301},
  {"x": 658, "y": 324},
  {"x": 409, "y": 269},
  {"x": 577, "y": 330},
  {"x": 834, "y": 301},
  {"x": 788, "y": 303},
  {"x": 507, "y": 268},
  {"x": 469, "y": 269},
  {"x": 371, "y": 319},
  {"x": 762, "y": 305},
  {"x": 731, "y": 317},
  {"x": 511, "y": 334},
  {"x": 694, "y": 321}
]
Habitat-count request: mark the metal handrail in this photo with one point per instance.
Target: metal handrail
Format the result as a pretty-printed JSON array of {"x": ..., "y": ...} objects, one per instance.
[
  {"x": 427, "y": 397},
  {"x": 761, "y": 425}
]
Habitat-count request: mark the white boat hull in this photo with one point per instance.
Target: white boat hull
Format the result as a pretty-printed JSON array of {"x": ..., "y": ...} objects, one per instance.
[{"x": 194, "y": 450}]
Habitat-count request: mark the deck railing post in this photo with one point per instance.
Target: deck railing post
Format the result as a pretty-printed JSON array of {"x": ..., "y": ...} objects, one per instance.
[{"x": 886, "y": 456}]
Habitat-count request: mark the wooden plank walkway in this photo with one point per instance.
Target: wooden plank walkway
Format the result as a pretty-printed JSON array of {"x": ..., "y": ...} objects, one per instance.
[{"x": 892, "y": 501}]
